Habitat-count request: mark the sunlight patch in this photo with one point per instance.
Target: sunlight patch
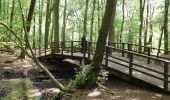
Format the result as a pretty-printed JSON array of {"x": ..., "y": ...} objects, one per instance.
[{"x": 94, "y": 93}]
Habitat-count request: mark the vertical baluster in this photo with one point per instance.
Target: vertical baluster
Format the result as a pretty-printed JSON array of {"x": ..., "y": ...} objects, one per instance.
[
  {"x": 107, "y": 53},
  {"x": 149, "y": 54},
  {"x": 166, "y": 75},
  {"x": 130, "y": 64},
  {"x": 123, "y": 47}
]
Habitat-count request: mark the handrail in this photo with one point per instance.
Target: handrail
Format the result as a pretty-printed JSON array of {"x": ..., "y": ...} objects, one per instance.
[
  {"x": 142, "y": 55},
  {"x": 131, "y": 63},
  {"x": 139, "y": 45}
]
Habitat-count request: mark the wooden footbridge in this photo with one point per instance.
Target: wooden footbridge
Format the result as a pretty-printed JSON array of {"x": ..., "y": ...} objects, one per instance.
[{"x": 124, "y": 61}]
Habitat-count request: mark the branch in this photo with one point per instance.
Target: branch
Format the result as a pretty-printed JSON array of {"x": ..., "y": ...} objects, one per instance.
[{"x": 20, "y": 44}]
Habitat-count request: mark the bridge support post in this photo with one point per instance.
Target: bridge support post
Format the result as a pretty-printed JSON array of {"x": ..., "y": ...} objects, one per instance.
[
  {"x": 106, "y": 58},
  {"x": 130, "y": 64},
  {"x": 71, "y": 48},
  {"x": 166, "y": 75}
]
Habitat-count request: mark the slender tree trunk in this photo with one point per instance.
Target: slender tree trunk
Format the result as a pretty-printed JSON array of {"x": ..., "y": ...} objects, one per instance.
[
  {"x": 123, "y": 20},
  {"x": 30, "y": 15},
  {"x": 34, "y": 26},
  {"x": 56, "y": 26},
  {"x": 111, "y": 37},
  {"x": 160, "y": 41},
  {"x": 146, "y": 27},
  {"x": 151, "y": 25},
  {"x": 12, "y": 13},
  {"x": 11, "y": 17},
  {"x": 34, "y": 58},
  {"x": 47, "y": 25},
  {"x": 99, "y": 20},
  {"x": 141, "y": 7},
  {"x": 28, "y": 24},
  {"x": 85, "y": 17},
  {"x": 0, "y": 9},
  {"x": 64, "y": 24},
  {"x": 40, "y": 25},
  {"x": 92, "y": 21},
  {"x": 165, "y": 26},
  {"x": 98, "y": 57}
]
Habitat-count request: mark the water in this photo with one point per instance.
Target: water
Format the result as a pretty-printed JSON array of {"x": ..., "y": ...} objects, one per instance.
[{"x": 19, "y": 89}]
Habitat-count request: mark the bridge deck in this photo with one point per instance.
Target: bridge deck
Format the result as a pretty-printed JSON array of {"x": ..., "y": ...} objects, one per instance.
[{"x": 136, "y": 74}]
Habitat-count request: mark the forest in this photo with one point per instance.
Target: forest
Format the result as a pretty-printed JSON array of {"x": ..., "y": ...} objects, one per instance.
[{"x": 64, "y": 49}]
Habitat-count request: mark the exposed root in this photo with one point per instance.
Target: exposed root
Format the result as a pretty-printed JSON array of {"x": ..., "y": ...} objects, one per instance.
[{"x": 102, "y": 87}]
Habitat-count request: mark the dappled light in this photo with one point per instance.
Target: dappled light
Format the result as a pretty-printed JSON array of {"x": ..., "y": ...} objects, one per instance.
[
  {"x": 84, "y": 50},
  {"x": 94, "y": 93}
]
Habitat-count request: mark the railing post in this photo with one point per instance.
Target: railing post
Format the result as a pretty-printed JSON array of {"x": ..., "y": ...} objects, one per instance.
[
  {"x": 89, "y": 44},
  {"x": 106, "y": 59},
  {"x": 149, "y": 54},
  {"x": 62, "y": 52},
  {"x": 130, "y": 64},
  {"x": 123, "y": 48},
  {"x": 166, "y": 75},
  {"x": 129, "y": 49},
  {"x": 71, "y": 48}
]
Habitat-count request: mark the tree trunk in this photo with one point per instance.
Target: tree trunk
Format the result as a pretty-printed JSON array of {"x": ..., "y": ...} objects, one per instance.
[
  {"x": 0, "y": 9},
  {"x": 123, "y": 20},
  {"x": 40, "y": 25},
  {"x": 99, "y": 20},
  {"x": 165, "y": 26},
  {"x": 160, "y": 41},
  {"x": 146, "y": 28},
  {"x": 85, "y": 17},
  {"x": 56, "y": 26},
  {"x": 64, "y": 25},
  {"x": 28, "y": 24},
  {"x": 33, "y": 37},
  {"x": 142, "y": 5},
  {"x": 101, "y": 43},
  {"x": 92, "y": 21},
  {"x": 111, "y": 37},
  {"x": 12, "y": 14},
  {"x": 47, "y": 25}
]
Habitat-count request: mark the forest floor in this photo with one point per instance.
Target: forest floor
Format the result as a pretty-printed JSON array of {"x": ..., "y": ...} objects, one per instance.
[{"x": 19, "y": 76}]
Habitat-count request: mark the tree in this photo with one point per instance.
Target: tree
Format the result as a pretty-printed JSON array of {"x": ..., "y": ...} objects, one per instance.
[
  {"x": 141, "y": 7},
  {"x": 64, "y": 24},
  {"x": 28, "y": 24},
  {"x": 123, "y": 19},
  {"x": 100, "y": 46},
  {"x": 85, "y": 17},
  {"x": 165, "y": 26},
  {"x": 92, "y": 21},
  {"x": 41, "y": 2},
  {"x": 47, "y": 25},
  {"x": 92, "y": 73},
  {"x": 146, "y": 26},
  {"x": 56, "y": 25}
]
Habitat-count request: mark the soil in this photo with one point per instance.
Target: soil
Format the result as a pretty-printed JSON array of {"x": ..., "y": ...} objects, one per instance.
[{"x": 25, "y": 73}]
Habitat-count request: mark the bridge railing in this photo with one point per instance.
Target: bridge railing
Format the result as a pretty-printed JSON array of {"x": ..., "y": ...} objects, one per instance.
[
  {"x": 132, "y": 66},
  {"x": 134, "y": 47}
]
